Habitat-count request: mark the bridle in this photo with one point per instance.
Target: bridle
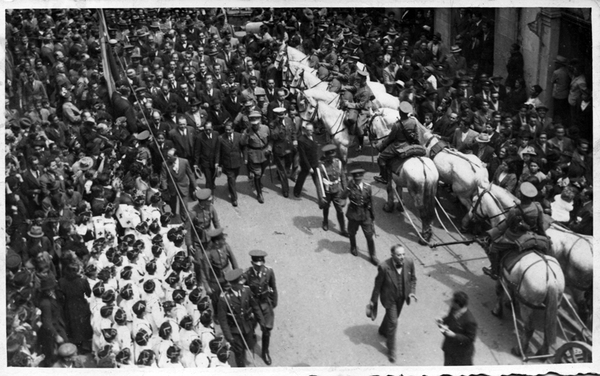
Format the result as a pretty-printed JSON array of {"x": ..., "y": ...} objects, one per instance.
[
  {"x": 302, "y": 81},
  {"x": 370, "y": 129},
  {"x": 313, "y": 117},
  {"x": 481, "y": 216}
]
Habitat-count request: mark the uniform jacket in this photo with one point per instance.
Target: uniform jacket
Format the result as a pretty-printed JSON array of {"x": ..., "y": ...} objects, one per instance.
[
  {"x": 386, "y": 286},
  {"x": 334, "y": 178},
  {"x": 256, "y": 144},
  {"x": 204, "y": 217},
  {"x": 262, "y": 284},
  {"x": 245, "y": 309},
  {"x": 231, "y": 151},
  {"x": 360, "y": 207},
  {"x": 220, "y": 259}
]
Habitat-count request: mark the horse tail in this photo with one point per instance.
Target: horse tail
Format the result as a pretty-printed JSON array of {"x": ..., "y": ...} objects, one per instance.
[{"x": 553, "y": 295}]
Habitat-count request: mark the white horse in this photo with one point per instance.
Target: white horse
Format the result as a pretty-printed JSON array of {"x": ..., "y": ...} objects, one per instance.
[
  {"x": 418, "y": 175},
  {"x": 463, "y": 172},
  {"x": 386, "y": 100},
  {"x": 304, "y": 79},
  {"x": 320, "y": 95},
  {"x": 296, "y": 55},
  {"x": 573, "y": 251},
  {"x": 332, "y": 118}
]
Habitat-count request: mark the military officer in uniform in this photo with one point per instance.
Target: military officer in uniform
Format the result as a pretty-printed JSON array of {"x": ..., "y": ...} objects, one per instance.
[
  {"x": 529, "y": 213},
  {"x": 360, "y": 212},
  {"x": 404, "y": 132},
  {"x": 256, "y": 142},
  {"x": 261, "y": 280},
  {"x": 285, "y": 142},
  {"x": 358, "y": 111},
  {"x": 238, "y": 314},
  {"x": 220, "y": 259},
  {"x": 334, "y": 184},
  {"x": 202, "y": 215}
]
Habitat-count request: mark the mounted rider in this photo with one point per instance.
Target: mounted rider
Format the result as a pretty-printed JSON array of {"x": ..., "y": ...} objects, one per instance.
[
  {"x": 523, "y": 230},
  {"x": 357, "y": 100},
  {"x": 403, "y": 134}
]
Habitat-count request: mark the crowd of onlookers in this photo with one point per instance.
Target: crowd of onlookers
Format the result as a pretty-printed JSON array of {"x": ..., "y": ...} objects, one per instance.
[{"x": 77, "y": 151}]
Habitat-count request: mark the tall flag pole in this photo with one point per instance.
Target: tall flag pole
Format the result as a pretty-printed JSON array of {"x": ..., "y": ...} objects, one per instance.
[{"x": 106, "y": 54}]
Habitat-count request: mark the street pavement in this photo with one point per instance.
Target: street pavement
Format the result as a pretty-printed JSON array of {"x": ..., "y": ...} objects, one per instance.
[{"x": 323, "y": 290}]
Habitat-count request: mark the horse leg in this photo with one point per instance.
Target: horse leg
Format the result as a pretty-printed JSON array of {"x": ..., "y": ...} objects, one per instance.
[
  {"x": 526, "y": 314},
  {"x": 499, "y": 307},
  {"x": 389, "y": 205}
]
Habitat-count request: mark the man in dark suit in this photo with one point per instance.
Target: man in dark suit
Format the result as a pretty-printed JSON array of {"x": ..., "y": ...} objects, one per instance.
[
  {"x": 181, "y": 179},
  {"x": 166, "y": 97},
  {"x": 232, "y": 102},
  {"x": 285, "y": 141},
  {"x": 218, "y": 115},
  {"x": 308, "y": 150},
  {"x": 231, "y": 158},
  {"x": 158, "y": 148},
  {"x": 183, "y": 139},
  {"x": 207, "y": 153},
  {"x": 482, "y": 148},
  {"x": 395, "y": 284},
  {"x": 209, "y": 95},
  {"x": 122, "y": 107},
  {"x": 280, "y": 101},
  {"x": 459, "y": 329}
]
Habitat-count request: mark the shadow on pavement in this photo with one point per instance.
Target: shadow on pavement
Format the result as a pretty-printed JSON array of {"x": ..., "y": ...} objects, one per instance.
[
  {"x": 338, "y": 247},
  {"x": 367, "y": 335},
  {"x": 308, "y": 225}
]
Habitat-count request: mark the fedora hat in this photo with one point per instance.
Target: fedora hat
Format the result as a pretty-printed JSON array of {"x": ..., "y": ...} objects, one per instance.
[
  {"x": 392, "y": 31},
  {"x": 455, "y": 49},
  {"x": 446, "y": 82},
  {"x": 35, "y": 232},
  {"x": 355, "y": 41},
  {"x": 483, "y": 138}
]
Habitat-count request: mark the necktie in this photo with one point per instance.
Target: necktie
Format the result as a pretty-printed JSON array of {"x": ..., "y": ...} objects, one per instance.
[{"x": 231, "y": 139}]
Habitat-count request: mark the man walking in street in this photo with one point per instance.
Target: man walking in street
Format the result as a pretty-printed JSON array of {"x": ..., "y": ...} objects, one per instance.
[
  {"x": 238, "y": 313},
  {"x": 334, "y": 184},
  {"x": 256, "y": 141},
  {"x": 261, "y": 280},
  {"x": 360, "y": 212},
  {"x": 284, "y": 146},
  {"x": 308, "y": 150},
  {"x": 231, "y": 159},
  {"x": 459, "y": 329},
  {"x": 395, "y": 284}
]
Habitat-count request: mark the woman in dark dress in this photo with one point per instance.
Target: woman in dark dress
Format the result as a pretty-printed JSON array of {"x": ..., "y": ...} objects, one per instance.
[{"x": 77, "y": 313}]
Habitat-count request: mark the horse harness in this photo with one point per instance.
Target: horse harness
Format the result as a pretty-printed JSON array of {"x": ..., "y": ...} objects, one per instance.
[
  {"x": 339, "y": 120},
  {"x": 478, "y": 203}
]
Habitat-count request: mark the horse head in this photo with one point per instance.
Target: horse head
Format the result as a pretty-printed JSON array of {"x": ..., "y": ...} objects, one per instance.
[
  {"x": 307, "y": 107},
  {"x": 298, "y": 80},
  {"x": 376, "y": 126}
]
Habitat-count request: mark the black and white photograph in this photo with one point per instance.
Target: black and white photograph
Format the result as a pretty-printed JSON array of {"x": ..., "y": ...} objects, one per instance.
[{"x": 310, "y": 188}]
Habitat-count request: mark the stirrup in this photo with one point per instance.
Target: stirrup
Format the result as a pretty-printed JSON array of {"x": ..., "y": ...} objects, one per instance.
[{"x": 490, "y": 273}]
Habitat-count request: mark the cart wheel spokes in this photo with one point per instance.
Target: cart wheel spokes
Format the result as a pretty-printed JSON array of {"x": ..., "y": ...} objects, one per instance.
[{"x": 574, "y": 352}]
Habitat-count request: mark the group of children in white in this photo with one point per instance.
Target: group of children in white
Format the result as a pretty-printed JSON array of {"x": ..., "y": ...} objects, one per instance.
[{"x": 147, "y": 308}]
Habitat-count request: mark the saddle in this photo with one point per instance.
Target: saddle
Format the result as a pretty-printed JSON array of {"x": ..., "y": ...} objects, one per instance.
[
  {"x": 438, "y": 147},
  {"x": 511, "y": 259}
]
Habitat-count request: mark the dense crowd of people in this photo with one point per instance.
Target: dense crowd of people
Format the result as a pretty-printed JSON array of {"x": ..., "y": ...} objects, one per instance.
[{"x": 94, "y": 176}]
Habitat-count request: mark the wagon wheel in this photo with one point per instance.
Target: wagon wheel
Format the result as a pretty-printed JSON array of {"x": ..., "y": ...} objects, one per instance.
[{"x": 574, "y": 352}]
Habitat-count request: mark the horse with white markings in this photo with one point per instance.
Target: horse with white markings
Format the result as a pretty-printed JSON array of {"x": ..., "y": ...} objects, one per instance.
[
  {"x": 418, "y": 175},
  {"x": 333, "y": 119},
  {"x": 574, "y": 252},
  {"x": 534, "y": 279}
]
